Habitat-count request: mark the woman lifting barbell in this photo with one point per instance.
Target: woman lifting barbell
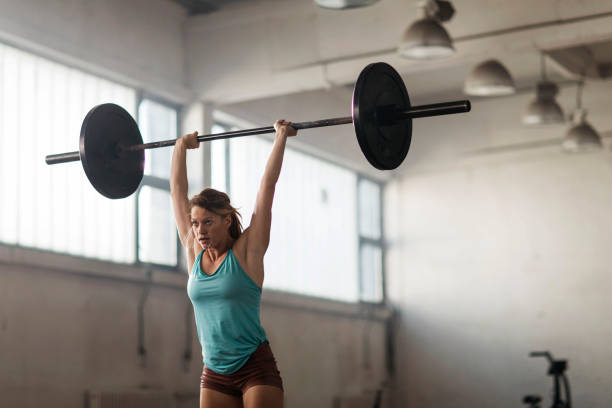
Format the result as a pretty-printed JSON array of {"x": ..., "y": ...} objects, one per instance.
[{"x": 225, "y": 282}]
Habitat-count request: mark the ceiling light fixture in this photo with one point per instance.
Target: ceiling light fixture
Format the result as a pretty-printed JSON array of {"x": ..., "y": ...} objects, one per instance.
[
  {"x": 426, "y": 38},
  {"x": 581, "y": 136},
  {"x": 544, "y": 109},
  {"x": 344, "y": 4},
  {"x": 489, "y": 78}
]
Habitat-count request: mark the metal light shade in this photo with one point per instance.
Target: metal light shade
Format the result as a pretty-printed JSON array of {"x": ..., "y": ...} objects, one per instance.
[
  {"x": 344, "y": 4},
  {"x": 489, "y": 78},
  {"x": 581, "y": 136},
  {"x": 426, "y": 39},
  {"x": 544, "y": 110}
]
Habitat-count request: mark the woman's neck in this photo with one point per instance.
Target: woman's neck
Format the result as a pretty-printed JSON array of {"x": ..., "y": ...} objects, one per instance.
[{"x": 217, "y": 251}]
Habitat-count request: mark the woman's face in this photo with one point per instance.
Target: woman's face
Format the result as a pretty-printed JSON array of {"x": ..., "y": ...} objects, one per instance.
[{"x": 209, "y": 228}]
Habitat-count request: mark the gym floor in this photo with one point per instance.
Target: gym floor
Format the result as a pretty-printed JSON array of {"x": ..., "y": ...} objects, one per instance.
[{"x": 494, "y": 241}]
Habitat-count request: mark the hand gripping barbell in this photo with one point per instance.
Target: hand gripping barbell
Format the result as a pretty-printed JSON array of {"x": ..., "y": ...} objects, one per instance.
[{"x": 111, "y": 149}]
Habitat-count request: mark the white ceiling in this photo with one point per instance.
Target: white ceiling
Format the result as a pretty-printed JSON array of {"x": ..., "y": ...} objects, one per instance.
[
  {"x": 267, "y": 59},
  {"x": 270, "y": 47}
]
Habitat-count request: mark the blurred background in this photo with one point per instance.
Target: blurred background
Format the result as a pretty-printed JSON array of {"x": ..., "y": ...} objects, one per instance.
[{"x": 429, "y": 284}]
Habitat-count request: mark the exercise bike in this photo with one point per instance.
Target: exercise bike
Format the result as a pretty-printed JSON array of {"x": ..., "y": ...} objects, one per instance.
[{"x": 557, "y": 370}]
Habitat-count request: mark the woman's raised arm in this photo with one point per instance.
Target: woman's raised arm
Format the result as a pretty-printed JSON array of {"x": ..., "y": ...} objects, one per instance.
[
  {"x": 179, "y": 187},
  {"x": 261, "y": 221}
]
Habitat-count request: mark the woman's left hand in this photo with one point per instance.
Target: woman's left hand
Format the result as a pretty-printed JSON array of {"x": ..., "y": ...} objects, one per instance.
[{"x": 284, "y": 128}]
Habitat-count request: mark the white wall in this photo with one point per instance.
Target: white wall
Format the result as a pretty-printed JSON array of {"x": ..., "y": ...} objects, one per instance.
[
  {"x": 493, "y": 256},
  {"x": 138, "y": 42}
]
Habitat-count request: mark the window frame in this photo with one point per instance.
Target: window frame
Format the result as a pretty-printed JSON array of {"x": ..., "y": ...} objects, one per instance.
[
  {"x": 226, "y": 148},
  {"x": 155, "y": 182},
  {"x": 379, "y": 243}
]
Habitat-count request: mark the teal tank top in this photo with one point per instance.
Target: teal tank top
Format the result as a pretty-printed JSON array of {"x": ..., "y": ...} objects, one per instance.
[{"x": 226, "y": 308}]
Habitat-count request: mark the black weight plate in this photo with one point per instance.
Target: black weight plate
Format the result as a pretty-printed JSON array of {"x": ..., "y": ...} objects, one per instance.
[
  {"x": 384, "y": 145},
  {"x": 115, "y": 173}
]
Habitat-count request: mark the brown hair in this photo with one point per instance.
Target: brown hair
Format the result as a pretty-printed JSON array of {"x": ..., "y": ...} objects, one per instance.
[{"x": 218, "y": 203}]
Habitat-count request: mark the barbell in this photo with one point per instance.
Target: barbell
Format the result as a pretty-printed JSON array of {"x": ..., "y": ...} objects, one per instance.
[{"x": 111, "y": 149}]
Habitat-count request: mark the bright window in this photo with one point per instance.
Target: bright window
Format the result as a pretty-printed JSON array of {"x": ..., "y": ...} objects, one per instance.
[
  {"x": 218, "y": 152},
  {"x": 42, "y": 107},
  {"x": 370, "y": 241},
  {"x": 326, "y": 237},
  {"x": 157, "y": 236},
  {"x": 157, "y": 122}
]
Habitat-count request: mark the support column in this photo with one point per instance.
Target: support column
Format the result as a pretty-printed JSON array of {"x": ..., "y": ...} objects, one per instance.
[{"x": 198, "y": 116}]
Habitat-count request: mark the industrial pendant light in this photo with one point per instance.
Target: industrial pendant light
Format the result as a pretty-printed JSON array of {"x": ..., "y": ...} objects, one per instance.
[
  {"x": 344, "y": 4},
  {"x": 544, "y": 110},
  {"x": 581, "y": 136},
  {"x": 426, "y": 38},
  {"x": 489, "y": 78}
]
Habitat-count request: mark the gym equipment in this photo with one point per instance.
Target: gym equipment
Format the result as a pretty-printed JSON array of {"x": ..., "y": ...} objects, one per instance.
[
  {"x": 557, "y": 371},
  {"x": 111, "y": 149}
]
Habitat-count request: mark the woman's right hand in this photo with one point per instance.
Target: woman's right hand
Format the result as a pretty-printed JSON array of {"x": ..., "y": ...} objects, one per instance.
[
  {"x": 191, "y": 140},
  {"x": 283, "y": 127}
]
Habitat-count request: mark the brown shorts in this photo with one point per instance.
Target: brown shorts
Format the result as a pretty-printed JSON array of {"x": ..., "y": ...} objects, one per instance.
[{"x": 260, "y": 369}]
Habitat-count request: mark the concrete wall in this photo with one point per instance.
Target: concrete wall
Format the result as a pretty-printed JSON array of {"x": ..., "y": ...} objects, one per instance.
[
  {"x": 496, "y": 254},
  {"x": 64, "y": 334},
  {"x": 70, "y": 325}
]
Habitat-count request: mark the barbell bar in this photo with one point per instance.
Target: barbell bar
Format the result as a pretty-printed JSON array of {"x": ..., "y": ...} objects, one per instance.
[
  {"x": 112, "y": 152},
  {"x": 436, "y": 109}
]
